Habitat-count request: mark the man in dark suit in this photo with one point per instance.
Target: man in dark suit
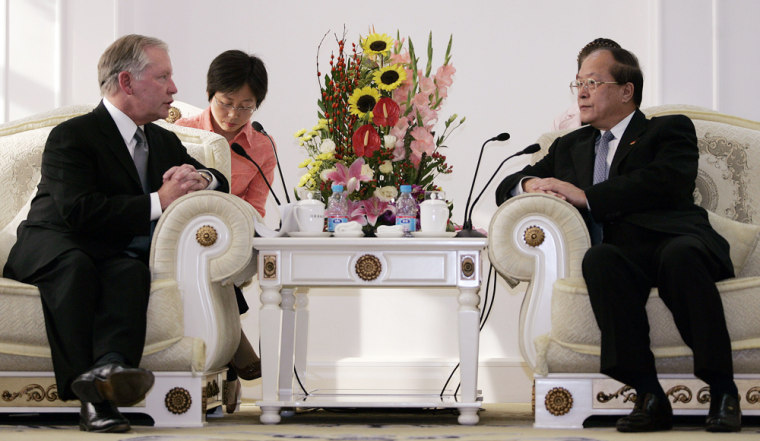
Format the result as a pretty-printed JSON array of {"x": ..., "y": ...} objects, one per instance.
[
  {"x": 633, "y": 180},
  {"x": 106, "y": 178}
]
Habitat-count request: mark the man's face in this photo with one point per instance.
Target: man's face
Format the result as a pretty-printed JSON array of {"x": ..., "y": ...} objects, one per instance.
[
  {"x": 152, "y": 91},
  {"x": 604, "y": 107}
]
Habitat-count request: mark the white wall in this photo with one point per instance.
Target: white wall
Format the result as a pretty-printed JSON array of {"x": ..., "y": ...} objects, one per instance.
[{"x": 514, "y": 61}]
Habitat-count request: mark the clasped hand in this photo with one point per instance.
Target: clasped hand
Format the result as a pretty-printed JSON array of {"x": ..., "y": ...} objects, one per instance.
[
  {"x": 554, "y": 187},
  {"x": 179, "y": 181}
]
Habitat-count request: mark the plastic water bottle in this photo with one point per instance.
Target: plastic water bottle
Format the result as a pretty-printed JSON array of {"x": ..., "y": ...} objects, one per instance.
[
  {"x": 337, "y": 208},
  {"x": 406, "y": 210}
]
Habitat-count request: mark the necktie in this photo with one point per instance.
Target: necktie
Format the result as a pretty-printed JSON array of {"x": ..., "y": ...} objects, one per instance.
[
  {"x": 601, "y": 170},
  {"x": 140, "y": 245},
  {"x": 141, "y": 159}
]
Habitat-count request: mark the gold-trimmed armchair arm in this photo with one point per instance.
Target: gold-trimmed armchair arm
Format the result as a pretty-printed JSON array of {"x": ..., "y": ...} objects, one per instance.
[
  {"x": 537, "y": 238},
  {"x": 203, "y": 240}
]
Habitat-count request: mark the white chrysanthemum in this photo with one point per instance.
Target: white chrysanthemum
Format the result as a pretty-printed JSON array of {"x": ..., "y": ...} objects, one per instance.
[
  {"x": 386, "y": 167},
  {"x": 386, "y": 194},
  {"x": 389, "y": 141},
  {"x": 367, "y": 171},
  {"x": 323, "y": 173},
  {"x": 327, "y": 146}
]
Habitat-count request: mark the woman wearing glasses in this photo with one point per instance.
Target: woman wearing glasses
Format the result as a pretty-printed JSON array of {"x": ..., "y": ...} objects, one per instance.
[{"x": 236, "y": 84}]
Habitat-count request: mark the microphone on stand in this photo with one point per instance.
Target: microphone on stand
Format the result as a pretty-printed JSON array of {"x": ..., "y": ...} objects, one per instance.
[
  {"x": 259, "y": 128},
  {"x": 533, "y": 148},
  {"x": 467, "y": 225},
  {"x": 237, "y": 148}
]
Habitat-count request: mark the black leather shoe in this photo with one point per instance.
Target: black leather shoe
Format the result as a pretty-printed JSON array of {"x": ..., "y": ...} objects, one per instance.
[
  {"x": 102, "y": 417},
  {"x": 651, "y": 413},
  {"x": 725, "y": 415},
  {"x": 122, "y": 385}
]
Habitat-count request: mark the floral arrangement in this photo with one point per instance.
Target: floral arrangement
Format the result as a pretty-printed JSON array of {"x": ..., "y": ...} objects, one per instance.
[{"x": 377, "y": 117}]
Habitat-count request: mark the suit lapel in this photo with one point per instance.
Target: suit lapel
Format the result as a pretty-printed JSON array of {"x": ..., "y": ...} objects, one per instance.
[
  {"x": 583, "y": 157},
  {"x": 628, "y": 141},
  {"x": 115, "y": 143}
]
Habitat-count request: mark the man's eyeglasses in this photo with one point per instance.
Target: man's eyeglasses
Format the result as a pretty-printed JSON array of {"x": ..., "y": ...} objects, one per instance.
[
  {"x": 229, "y": 107},
  {"x": 591, "y": 84}
]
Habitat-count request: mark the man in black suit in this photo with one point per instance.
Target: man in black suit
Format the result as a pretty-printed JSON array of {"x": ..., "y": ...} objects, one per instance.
[
  {"x": 633, "y": 180},
  {"x": 106, "y": 178}
]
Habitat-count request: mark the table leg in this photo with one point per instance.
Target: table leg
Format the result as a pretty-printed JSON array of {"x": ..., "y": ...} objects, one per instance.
[
  {"x": 288, "y": 344},
  {"x": 302, "y": 330},
  {"x": 469, "y": 323},
  {"x": 269, "y": 331}
]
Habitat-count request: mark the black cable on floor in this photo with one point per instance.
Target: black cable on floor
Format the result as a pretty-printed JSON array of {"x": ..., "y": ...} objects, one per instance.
[{"x": 295, "y": 371}]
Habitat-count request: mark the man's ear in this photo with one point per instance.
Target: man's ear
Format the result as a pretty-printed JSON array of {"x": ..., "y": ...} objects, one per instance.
[
  {"x": 125, "y": 82},
  {"x": 627, "y": 92}
]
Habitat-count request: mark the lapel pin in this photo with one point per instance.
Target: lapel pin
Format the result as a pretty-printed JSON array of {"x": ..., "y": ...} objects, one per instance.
[{"x": 632, "y": 142}]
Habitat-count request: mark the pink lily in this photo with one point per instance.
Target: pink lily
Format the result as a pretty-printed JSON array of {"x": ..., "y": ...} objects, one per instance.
[
  {"x": 350, "y": 177},
  {"x": 374, "y": 208},
  {"x": 356, "y": 212}
]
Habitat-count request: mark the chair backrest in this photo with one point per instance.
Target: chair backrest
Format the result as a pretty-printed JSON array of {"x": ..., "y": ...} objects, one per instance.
[
  {"x": 22, "y": 142},
  {"x": 729, "y": 152}
]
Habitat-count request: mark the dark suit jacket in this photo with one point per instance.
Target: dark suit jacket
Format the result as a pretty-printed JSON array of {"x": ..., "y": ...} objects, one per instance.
[
  {"x": 89, "y": 196},
  {"x": 651, "y": 179}
]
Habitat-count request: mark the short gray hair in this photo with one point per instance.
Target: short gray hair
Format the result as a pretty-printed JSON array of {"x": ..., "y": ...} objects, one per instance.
[{"x": 125, "y": 54}]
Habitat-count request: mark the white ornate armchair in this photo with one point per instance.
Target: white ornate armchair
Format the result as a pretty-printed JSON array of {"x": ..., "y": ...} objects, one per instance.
[
  {"x": 542, "y": 240},
  {"x": 201, "y": 243}
]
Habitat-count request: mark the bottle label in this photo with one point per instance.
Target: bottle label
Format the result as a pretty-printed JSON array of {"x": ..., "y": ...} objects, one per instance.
[
  {"x": 332, "y": 221},
  {"x": 409, "y": 222}
]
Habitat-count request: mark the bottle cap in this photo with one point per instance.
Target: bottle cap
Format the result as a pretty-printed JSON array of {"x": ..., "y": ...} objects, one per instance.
[
  {"x": 337, "y": 188},
  {"x": 406, "y": 189}
]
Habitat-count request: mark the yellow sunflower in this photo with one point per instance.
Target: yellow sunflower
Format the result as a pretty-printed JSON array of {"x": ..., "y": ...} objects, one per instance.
[
  {"x": 377, "y": 44},
  {"x": 390, "y": 77},
  {"x": 363, "y": 100}
]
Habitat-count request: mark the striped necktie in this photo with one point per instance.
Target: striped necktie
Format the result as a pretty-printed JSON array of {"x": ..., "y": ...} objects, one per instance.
[
  {"x": 601, "y": 170},
  {"x": 141, "y": 159}
]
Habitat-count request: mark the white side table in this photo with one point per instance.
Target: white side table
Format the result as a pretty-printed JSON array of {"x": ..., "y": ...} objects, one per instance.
[{"x": 286, "y": 264}]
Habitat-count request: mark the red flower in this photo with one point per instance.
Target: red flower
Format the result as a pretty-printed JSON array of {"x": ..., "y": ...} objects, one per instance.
[
  {"x": 386, "y": 112},
  {"x": 366, "y": 141}
]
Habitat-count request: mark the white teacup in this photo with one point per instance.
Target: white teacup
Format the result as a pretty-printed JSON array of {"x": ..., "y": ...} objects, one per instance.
[
  {"x": 310, "y": 215},
  {"x": 434, "y": 214}
]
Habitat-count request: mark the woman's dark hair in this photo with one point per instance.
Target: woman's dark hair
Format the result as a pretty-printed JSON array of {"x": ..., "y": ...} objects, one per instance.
[{"x": 231, "y": 69}]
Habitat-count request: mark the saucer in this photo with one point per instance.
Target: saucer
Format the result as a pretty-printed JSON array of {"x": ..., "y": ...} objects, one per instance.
[
  {"x": 434, "y": 233},
  {"x": 308, "y": 233},
  {"x": 390, "y": 235},
  {"x": 359, "y": 233}
]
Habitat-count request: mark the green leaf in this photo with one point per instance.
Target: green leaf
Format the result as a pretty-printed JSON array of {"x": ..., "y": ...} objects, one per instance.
[
  {"x": 429, "y": 55},
  {"x": 448, "y": 50}
]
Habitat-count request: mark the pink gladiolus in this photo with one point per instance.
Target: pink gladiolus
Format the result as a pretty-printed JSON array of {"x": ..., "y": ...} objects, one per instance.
[
  {"x": 366, "y": 141},
  {"x": 374, "y": 208},
  {"x": 399, "y": 153},
  {"x": 350, "y": 177},
  {"x": 443, "y": 77},
  {"x": 423, "y": 143},
  {"x": 427, "y": 86},
  {"x": 402, "y": 58},
  {"x": 429, "y": 116},
  {"x": 421, "y": 99},
  {"x": 399, "y": 130}
]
